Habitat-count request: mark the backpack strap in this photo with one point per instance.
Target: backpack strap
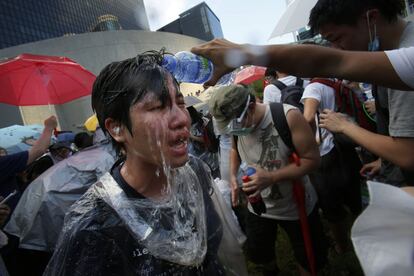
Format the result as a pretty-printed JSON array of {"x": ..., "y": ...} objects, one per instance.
[
  {"x": 299, "y": 82},
  {"x": 281, "y": 124},
  {"x": 279, "y": 84},
  {"x": 331, "y": 83}
]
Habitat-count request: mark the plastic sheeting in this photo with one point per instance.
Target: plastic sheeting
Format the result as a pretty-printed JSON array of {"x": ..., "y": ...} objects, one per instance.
[
  {"x": 166, "y": 228},
  {"x": 38, "y": 217},
  {"x": 108, "y": 232},
  {"x": 383, "y": 235},
  {"x": 230, "y": 250}
]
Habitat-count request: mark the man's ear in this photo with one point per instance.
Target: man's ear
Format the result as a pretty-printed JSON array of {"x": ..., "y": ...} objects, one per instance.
[{"x": 115, "y": 129}]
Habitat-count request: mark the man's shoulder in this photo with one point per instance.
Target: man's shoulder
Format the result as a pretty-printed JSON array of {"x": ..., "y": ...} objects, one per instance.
[{"x": 271, "y": 87}]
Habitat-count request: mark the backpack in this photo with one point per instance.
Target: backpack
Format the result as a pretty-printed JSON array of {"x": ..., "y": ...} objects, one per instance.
[
  {"x": 291, "y": 94},
  {"x": 211, "y": 141},
  {"x": 347, "y": 102}
]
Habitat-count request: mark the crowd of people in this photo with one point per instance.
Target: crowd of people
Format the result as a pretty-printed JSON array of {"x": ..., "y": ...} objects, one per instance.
[{"x": 140, "y": 196}]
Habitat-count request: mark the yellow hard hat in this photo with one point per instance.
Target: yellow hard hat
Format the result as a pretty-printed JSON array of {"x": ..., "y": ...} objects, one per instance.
[{"x": 91, "y": 123}]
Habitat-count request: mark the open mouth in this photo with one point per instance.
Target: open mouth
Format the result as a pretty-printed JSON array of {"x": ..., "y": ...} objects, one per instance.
[{"x": 179, "y": 146}]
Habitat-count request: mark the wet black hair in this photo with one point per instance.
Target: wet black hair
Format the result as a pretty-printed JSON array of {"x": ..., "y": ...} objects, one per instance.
[
  {"x": 38, "y": 167},
  {"x": 195, "y": 115},
  {"x": 270, "y": 72},
  {"x": 122, "y": 84},
  {"x": 83, "y": 140},
  {"x": 341, "y": 12}
]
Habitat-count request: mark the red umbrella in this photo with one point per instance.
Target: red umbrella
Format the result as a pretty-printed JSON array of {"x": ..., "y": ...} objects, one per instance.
[
  {"x": 250, "y": 74},
  {"x": 41, "y": 80}
]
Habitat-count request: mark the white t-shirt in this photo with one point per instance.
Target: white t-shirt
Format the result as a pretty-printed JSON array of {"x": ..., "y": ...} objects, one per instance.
[
  {"x": 325, "y": 95},
  {"x": 272, "y": 94},
  {"x": 264, "y": 148},
  {"x": 403, "y": 62}
]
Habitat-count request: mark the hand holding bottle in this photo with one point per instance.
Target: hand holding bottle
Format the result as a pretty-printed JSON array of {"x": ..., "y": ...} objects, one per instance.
[{"x": 255, "y": 200}]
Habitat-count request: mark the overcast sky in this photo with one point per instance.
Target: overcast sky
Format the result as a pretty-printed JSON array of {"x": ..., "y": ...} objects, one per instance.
[{"x": 243, "y": 21}]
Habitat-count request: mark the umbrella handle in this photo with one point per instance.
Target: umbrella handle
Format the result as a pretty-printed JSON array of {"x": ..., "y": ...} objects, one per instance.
[{"x": 299, "y": 196}]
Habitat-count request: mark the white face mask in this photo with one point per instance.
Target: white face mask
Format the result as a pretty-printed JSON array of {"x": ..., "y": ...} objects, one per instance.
[{"x": 238, "y": 130}]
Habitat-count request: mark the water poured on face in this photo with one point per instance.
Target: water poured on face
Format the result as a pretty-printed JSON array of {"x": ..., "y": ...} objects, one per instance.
[{"x": 160, "y": 134}]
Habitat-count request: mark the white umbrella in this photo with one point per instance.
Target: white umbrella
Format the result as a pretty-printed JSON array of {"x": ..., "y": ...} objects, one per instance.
[{"x": 295, "y": 17}]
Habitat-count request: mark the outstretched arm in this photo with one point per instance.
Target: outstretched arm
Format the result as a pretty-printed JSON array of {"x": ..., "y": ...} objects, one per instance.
[
  {"x": 302, "y": 61},
  {"x": 43, "y": 142},
  {"x": 399, "y": 151}
]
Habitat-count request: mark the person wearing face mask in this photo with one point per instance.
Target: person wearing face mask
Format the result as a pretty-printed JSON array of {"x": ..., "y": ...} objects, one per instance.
[
  {"x": 260, "y": 146},
  {"x": 373, "y": 26},
  {"x": 357, "y": 27}
]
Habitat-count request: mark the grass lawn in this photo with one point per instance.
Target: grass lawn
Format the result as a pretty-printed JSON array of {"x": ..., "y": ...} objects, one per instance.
[{"x": 338, "y": 265}]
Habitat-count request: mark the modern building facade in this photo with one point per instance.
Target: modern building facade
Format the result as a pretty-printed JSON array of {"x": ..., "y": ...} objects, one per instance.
[
  {"x": 199, "y": 21},
  {"x": 24, "y": 21}
]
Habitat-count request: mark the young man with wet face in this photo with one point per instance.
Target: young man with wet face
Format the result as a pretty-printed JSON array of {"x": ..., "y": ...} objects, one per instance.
[{"x": 151, "y": 214}]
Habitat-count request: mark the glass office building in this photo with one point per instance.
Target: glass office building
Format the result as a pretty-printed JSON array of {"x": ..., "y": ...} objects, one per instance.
[
  {"x": 199, "y": 21},
  {"x": 23, "y": 21}
]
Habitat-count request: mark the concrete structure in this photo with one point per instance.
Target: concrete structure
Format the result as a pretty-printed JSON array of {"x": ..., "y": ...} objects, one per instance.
[{"x": 93, "y": 51}]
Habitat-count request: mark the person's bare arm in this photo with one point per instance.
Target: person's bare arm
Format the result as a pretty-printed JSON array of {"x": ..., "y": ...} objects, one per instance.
[
  {"x": 304, "y": 142},
  {"x": 399, "y": 151},
  {"x": 310, "y": 108},
  {"x": 234, "y": 168},
  {"x": 43, "y": 142},
  {"x": 302, "y": 61}
]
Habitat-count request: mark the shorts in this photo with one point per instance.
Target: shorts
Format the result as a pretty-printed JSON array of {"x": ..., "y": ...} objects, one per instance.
[{"x": 337, "y": 183}]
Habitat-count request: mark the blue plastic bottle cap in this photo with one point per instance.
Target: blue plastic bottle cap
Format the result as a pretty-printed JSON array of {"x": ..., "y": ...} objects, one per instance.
[
  {"x": 250, "y": 171},
  {"x": 169, "y": 62}
]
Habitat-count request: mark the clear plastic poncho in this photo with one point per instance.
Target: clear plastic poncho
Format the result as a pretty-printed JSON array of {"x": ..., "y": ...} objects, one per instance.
[
  {"x": 172, "y": 229},
  {"x": 38, "y": 218},
  {"x": 109, "y": 232}
]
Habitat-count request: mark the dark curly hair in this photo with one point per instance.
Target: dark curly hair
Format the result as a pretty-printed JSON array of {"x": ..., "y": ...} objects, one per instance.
[
  {"x": 122, "y": 84},
  {"x": 347, "y": 12}
]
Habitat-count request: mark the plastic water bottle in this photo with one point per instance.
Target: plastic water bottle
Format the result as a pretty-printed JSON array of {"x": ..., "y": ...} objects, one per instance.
[
  {"x": 188, "y": 67},
  {"x": 256, "y": 202}
]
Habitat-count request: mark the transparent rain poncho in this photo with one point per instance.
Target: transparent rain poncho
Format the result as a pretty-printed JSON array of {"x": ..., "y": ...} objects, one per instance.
[{"x": 172, "y": 230}]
